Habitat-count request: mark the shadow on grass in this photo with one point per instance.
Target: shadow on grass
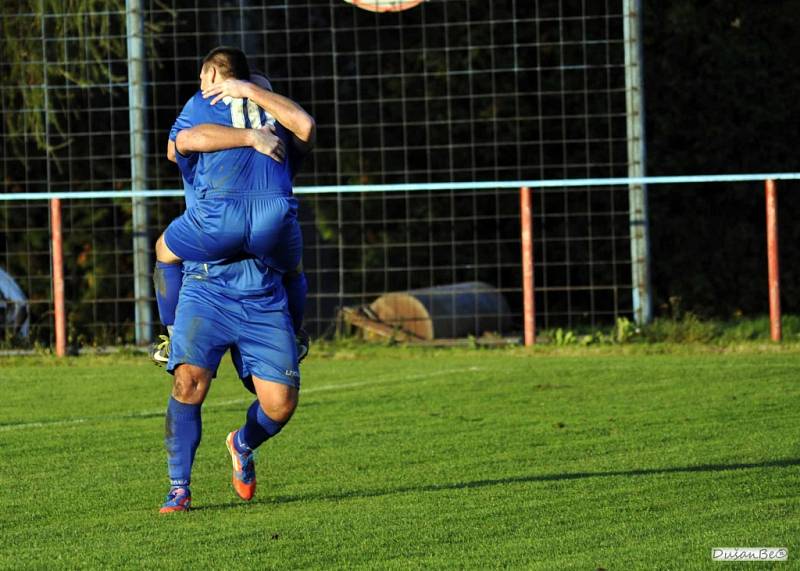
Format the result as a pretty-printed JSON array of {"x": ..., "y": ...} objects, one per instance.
[{"x": 357, "y": 494}]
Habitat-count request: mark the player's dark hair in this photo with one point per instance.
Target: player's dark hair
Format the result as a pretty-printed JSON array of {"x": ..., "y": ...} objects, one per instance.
[
  {"x": 230, "y": 61},
  {"x": 255, "y": 73}
]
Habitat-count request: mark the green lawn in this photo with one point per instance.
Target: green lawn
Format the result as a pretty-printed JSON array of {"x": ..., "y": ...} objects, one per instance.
[{"x": 573, "y": 459}]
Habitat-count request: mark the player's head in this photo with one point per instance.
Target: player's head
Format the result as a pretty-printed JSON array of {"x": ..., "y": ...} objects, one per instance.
[
  {"x": 261, "y": 79},
  {"x": 221, "y": 63}
]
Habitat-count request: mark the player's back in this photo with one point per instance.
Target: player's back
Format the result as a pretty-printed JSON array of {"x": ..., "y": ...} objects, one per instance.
[
  {"x": 240, "y": 172},
  {"x": 244, "y": 201}
]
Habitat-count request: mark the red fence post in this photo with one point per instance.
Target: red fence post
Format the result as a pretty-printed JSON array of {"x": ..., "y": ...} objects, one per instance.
[
  {"x": 773, "y": 263},
  {"x": 58, "y": 276},
  {"x": 529, "y": 310}
]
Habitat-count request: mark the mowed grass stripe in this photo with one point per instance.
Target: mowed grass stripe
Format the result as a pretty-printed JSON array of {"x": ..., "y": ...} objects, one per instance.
[
  {"x": 238, "y": 401},
  {"x": 531, "y": 462}
]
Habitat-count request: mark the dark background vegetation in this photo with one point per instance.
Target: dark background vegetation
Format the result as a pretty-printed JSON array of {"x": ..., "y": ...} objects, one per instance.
[{"x": 720, "y": 83}]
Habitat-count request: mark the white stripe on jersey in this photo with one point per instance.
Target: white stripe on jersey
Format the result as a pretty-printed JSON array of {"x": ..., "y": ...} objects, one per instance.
[
  {"x": 253, "y": 112},
  {"x": 237, "y": 113}
]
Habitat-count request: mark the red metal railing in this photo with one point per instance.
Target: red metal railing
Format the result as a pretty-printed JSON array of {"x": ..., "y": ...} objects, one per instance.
[
  {"x": 772, "y": 261},
  {"x": 529, "y": 310},
  {"x": 58, "y": 276}
]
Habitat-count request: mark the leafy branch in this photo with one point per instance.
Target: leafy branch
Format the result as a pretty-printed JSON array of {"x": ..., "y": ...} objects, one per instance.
[{"x": 53, "y": 49}]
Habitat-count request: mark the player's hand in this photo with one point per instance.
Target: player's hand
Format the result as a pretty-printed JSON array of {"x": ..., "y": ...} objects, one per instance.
[
  {"x": 228, "y": 88},
  {"x": 303, "y": 342},
  {"x": 266, "y": 142}
]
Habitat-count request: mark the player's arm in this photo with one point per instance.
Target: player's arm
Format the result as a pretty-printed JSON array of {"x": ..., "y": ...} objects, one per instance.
[
  {"x": 183, "y": 121},
  {"x": 286, "y": 112},
  {"x": 208, "y": 137},
  {"x": 171, "y": 151}
]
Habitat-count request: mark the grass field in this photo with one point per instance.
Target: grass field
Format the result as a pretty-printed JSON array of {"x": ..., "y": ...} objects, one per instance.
[{"x": 400, "y": 458}]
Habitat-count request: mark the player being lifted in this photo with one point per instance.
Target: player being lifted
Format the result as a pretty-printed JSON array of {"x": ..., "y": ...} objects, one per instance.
[{"x": 240, "y": 203}]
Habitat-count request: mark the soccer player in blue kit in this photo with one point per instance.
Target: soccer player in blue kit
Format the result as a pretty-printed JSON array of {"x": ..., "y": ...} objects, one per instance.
[{"x": 237, "y": 303}]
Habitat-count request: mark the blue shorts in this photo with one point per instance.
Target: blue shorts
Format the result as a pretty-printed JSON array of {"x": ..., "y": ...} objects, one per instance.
[
  {"x": 208, "y": 323},
  {"x": 222, "y": 227}
]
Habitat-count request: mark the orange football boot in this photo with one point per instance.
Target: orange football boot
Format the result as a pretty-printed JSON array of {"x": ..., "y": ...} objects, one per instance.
[{"x": 244, "y": 469}]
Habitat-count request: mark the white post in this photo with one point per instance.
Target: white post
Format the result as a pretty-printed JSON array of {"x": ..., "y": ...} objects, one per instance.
[
  {"x": 637, "y": 193},
  {"x": 142, "y": 265}
]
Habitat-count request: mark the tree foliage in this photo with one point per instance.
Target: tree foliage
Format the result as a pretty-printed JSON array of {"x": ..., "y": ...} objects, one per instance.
[
  {"x": 720, "y": 84},
  {"x": 39, "y": 44},
  {"x": 51, "y": 47}
]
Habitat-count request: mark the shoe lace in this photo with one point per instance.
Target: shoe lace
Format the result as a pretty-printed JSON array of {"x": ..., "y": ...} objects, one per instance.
[
  {"x": 163, "y": 346},
  {"x": 174, "y": 494},
  {"x": 247, "y": 466}
]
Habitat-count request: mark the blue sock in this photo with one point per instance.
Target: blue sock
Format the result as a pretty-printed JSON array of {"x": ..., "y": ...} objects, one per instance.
[
  {"x": 183, "y": 429},
  {"x": 258, "y": 429},
  {"x": 167, "y": 279},
  {"x": 296, "y": 289}
]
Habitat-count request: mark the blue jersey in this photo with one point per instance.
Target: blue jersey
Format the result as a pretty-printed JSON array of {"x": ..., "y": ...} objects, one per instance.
[
  {"x": 187, "y": 176},
  {"x": 235, "y": 169},
  {"x": 239, "y": 169}
]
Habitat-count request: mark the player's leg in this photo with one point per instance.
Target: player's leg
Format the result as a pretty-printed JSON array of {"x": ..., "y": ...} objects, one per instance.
[
  {"x": 278, "y": 232},
  {"x": 296, "y": 287},
  {"x": 183, "y": 429},
  {"x": 266, "y": 351},
  {"x": 200, "y": 337},
  {"x": 167, "y": 281},
  {"x": 210, "y": 231},
  {"x": 267, "y": 415},
  {"x": 265, "y": 418},
  {"x": 274, "y": 234},
  {"x": 164, "y": 254},
  {"x": 288, "y": 258}
]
